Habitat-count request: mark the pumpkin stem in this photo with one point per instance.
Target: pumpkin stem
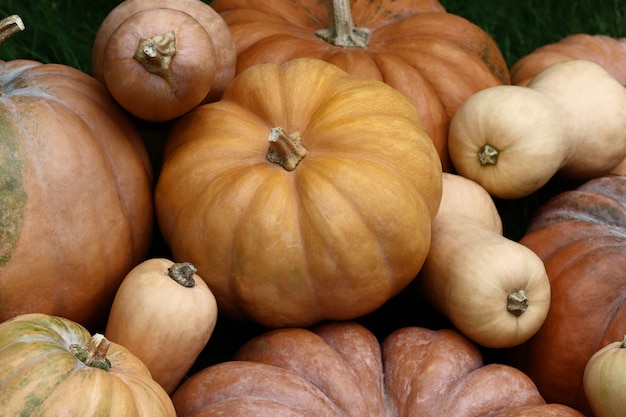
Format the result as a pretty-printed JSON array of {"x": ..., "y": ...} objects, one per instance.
[
  {"x": 94, "y": 352},
  {"x": 156, "y": 54},
  {"x": 9, "y": 26},
  {"x": 341, "y": 31},
  {"x": 285, "y": 149},
  {"x": 488, "y": 155},
  {"x": 623, "y": 344},
  {"x": 517, "y": 302},
  {"x": 182, "y": 273}
]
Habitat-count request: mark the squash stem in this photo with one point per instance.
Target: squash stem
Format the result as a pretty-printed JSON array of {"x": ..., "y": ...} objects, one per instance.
[
  {"x": 341, "y": 31},
  {"x": 155, "y": 54},
  {"x": 183, "y": 273},
  {"x": 517, "y": 302},
  {"x": 285, "y": 149},
  {"x": 94, "y": 352},
  {"x": 9, "y": 26},
  {"x": 623, "y": 344},
  {"x": 488, "y": 155}
]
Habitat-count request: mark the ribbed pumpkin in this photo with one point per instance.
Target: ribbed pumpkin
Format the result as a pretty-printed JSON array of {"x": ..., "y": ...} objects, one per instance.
[
  {"x": 437, "y": 59},
  {"x": 76, "y": 210},
  {"x": 607, "y": 51},
  {"x": 581, "y": 237},
  {"x": 341, "y": 369},
  {"x": 51, "y": 366},
  {"x": 304, "y": 194}
]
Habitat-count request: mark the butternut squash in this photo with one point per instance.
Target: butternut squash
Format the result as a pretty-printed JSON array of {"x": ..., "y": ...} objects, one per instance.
[{"x": 493, "y": 289}]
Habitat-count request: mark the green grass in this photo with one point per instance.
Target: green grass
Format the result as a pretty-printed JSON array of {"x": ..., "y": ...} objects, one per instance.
[{"x": 63, "y": 31}]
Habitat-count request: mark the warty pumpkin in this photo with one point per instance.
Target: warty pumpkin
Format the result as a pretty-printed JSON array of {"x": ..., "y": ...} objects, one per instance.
[
  {"x": 51, "y": 366},
  {"x": 581, "y": 237},
  {"x": 304, "y": 194},
  {"x": 569, "y": 121},
  {"x": 437, "y": 59},
  {"x": 341, "y": 369},
  {"x": 161, "y": 58},
  {"x": 76, "y": 206},
  {"x": 604, "y": 382},
  {"x": 493, "y": 289},
  {"x": 164, "y": 313}
]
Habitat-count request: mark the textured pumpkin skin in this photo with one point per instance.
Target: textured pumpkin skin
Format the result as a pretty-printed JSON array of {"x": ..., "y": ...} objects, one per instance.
[
  {"x": 77, "y": 210},
  {"x": 217, "y": 30},
  {"x": 296, "y": 247},
  {"x": 605, "y": 50},
  {"x": 40, "y": 375},
  {"x": 436, "y": 59},
  {"x": 581, "y": 237},
  {"x": 341, "y": 369},
  {"x": 177, "y": 319},
  {"x": 494, "y": 290}
]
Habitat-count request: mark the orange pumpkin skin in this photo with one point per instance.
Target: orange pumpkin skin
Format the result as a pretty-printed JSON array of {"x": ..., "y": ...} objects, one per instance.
[
  {"x": 199, "y": 55},
  {"x": 334, "y": 238},
  {"x": 436, "y": 59},
  {"x": 42, "y": 374},
  {"x": 581, "y": 237},
  {"x": 605, "y": 50},
  {"x": 341, "y": 369},
  {"x": 77, "y": 210}
]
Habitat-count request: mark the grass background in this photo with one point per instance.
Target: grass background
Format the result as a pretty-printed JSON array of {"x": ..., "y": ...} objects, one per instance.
[{"x": 62, "y": 31}]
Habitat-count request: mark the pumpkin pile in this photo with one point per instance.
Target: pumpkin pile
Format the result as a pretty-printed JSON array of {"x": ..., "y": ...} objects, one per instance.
[{"x": 293, "y": 208}]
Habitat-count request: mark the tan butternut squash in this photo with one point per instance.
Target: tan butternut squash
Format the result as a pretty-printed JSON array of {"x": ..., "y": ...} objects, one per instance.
[
  {"x": 493, "y": 289},
  {"x": 569, "y": 120}
]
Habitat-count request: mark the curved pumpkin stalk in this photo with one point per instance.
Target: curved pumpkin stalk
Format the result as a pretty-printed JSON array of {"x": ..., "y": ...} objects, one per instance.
[
  {"x": 10, "y": 26},
  {"x": 341, "y": 31}
]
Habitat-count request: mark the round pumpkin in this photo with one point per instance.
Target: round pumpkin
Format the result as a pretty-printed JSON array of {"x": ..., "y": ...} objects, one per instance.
[
  {"x": 169, "y": 305},
  {"x": 607, "y": 51},
  {"x": 304, "y": 194},
  {"x": 76, "y": 211},
  {"x": 604, "y": 380},
  {"x": 341, "y": 369},
  {"x": 437, "y": 59},
  {"x": 581, "y": 237},
  {"x": 160, "y": 58},
  {"x": 51, "y": 366}
]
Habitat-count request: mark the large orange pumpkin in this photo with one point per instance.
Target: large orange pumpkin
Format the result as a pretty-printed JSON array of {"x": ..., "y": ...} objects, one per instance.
[
  {"x": 581, "y": 237},
  {"x": 304, "y": 194},
  {"x": 341, "y": 369},
  {"x": 437, "y": 59},
  {"x": 75, "y": 204}
]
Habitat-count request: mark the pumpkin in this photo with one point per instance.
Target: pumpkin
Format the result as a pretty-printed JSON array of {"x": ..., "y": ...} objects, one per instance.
[
  {"x": 607, "y": 51},
  {"x": 568, "y": 121},
  {"x": 304, "y": 194},
  {"x": 164, "y": 313},
  {"x": 604, "y": 382},
  {"x": 580, "y": 235},
  {"x": 493, "y": 289},
  {"x": 437, "y": 59},
  {"x": 76, "y": 206},
  {"x": 51, "y": 366},
  {"x": 161, "y": 58},
  {"x": 341, "y": 369}
]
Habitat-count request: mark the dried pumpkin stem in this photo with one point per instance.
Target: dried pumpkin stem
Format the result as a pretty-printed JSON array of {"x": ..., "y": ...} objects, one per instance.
[
  {"x": 488, "y": 155},
  {"x": 94, "y": 352},
  {"x": 341, "y": 31},
  {"x": 9, "y": 26},
  {"x": 285, "y": 149},
  {"x": 155, "y": 54},
  {"x": 517, "y": 302},
  {"x": 182, "y": 273}
]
